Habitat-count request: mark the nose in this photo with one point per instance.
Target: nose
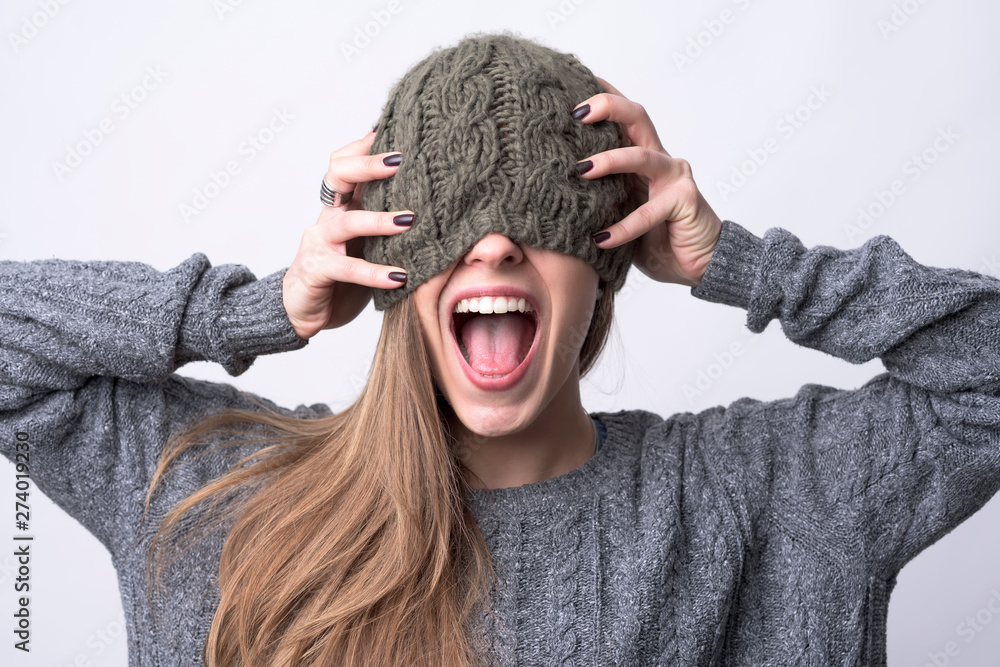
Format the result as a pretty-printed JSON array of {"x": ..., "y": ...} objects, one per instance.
[{"x": 494, "y": 250}]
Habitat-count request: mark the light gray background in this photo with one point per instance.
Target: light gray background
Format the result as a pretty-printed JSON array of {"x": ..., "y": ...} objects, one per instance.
[{"x": 227, "y": 66}]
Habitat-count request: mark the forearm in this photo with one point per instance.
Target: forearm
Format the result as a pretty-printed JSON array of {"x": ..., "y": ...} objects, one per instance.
[
  {"x": 934, "y": 328},
  {"x": 62, "y": 322}
]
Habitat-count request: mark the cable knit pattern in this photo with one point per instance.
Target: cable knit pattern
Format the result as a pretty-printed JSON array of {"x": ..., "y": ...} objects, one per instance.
[
  {"x": 563, "y": 586},
  {"x": 489, "y": 144},
  {"x": 758, "y": 533}
]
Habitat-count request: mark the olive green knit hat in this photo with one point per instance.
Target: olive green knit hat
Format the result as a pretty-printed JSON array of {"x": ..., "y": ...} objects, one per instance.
[{"x": 489, "y": 145}]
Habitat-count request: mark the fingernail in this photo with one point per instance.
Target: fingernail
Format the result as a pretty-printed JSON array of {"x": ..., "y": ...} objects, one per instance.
[
  {"x": 392, "y": 160},
  {"x": 601, "y": 236},
  {"x": 398, "y": 276},
  {"x": 403, "y": 219},
  {"x": 375, "y": 129},
  {"x": 584, "y": 167},
  {"x": 581, "y": 111}
]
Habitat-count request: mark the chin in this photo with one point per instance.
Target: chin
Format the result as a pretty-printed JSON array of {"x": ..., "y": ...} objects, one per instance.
[{"x": 493, "y": 420}]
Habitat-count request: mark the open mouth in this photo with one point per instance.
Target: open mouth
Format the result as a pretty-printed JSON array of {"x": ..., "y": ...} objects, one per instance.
[{"x": 495, "y": 344}]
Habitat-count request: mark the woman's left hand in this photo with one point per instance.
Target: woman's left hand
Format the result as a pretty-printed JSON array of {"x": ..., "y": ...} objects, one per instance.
[{"x": 676, "y": 228}]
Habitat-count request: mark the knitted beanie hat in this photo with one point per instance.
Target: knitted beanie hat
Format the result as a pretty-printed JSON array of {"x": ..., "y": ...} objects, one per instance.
[{"x": 489, "y": 145}]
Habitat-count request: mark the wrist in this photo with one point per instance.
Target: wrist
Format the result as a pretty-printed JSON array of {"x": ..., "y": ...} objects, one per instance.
[
  {"x": 735, "y": 261},
  {"x": 701, "y": 266}
]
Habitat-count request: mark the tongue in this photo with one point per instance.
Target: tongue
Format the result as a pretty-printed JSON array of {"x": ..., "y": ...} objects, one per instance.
[{"x": 497, "y": 343}]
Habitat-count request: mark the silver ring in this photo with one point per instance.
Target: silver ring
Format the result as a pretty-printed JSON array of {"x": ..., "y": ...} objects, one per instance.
[{"x": 330, "y": 197}]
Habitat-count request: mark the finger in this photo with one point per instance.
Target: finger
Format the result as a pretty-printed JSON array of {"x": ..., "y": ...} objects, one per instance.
[
  {"x": 322, "y": 261},
  {"x": 341, "y": 199},
  {"x": 647, "y": 163},
  {"x": 346, "y": 269},
  {"x": 346, "y": 171},
  {"x": 630, "y": 115},
  {"x": 342, "y": 226},
  {"x": 651, "y": 214},
  {"x": 357, "y": 147}
]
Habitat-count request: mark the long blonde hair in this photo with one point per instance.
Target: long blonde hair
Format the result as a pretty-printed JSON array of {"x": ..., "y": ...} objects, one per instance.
[{"x": 360, "y": 513}]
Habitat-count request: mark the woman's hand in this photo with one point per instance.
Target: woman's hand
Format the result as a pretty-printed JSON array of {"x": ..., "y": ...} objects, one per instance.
[
  {"x": 676, "y": 228},
  {"x": 328, "y": 283}
]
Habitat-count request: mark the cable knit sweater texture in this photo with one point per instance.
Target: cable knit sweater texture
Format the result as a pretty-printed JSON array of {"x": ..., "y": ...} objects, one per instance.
[{"x": 762, "y": 533}]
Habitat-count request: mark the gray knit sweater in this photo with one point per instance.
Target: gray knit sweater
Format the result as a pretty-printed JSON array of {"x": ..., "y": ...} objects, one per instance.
[{"x": 762, "y": 533}]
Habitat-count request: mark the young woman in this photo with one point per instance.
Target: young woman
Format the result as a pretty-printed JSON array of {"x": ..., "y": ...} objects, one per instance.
[{"x": 466, "y": 509}]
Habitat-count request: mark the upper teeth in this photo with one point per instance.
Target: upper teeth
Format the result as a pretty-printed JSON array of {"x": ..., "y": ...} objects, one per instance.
[{"x": 492, "y": 304}]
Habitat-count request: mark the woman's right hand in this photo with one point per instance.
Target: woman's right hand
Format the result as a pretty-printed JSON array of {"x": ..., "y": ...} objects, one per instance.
[{"x": 329, "y": 283}]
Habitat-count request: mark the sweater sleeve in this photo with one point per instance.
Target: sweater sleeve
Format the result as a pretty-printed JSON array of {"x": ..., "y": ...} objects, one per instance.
[
  {"x": 88, "y": 352},
  {"x": 891, "y": 467}
]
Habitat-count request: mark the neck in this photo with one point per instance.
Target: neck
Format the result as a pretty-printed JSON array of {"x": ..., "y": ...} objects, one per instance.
[{"x": 560, "y": 439}]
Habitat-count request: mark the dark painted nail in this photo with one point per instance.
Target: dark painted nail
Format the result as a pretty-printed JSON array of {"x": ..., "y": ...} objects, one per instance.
[
  {"x": 581, "y": 112},
  {"x": 398, "y": 276},
  {"x": 403, "y": 219},
  {"x": 375, "y": 129},
  {"x": 601, "y": 236},
  {"x": 584, "y": 167},
  {"x": 392, "y": 160}
]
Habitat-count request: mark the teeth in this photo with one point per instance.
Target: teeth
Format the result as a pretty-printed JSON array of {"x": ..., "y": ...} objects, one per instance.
[{"x": 493, "y": 304}]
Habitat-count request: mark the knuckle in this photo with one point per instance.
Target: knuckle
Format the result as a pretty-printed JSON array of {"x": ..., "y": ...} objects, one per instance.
[
  {"x": 684, "y": 166},
  {"x": 644, "y": 216},
  {"x": 317, "y": 241},
  {"x": 346, "y": 226},
  {"x": 648, "y": 157},
  {"x": 348, "y": 271},
  {"x": 612, "y": 160},
  {"x": 332, "y": 166},
  {"x": 307, "y": 266},
  {"x": 359, "y": 273},
  {"x": 365, "y": 273},
  {"x": 686, "y": 190},
  {"x": 311, "y": 236}
]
